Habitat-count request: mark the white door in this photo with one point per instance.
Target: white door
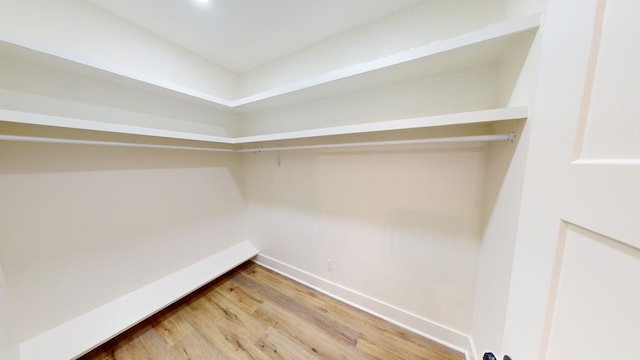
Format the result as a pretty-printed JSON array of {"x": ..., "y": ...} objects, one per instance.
[
  {"x": 576, "y": 279},
  {"x": 595, "y": 313}
]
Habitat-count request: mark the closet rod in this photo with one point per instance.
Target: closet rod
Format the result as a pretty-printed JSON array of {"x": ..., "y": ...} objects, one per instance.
[
  {"x": 458, "y": 139},
  {"x": 105, "y": 143}
]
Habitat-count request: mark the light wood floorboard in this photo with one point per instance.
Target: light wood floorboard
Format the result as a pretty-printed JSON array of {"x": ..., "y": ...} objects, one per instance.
[{"x": 255, "y": 313}]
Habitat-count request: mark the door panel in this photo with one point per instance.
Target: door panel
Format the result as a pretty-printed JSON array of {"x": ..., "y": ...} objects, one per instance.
[
  {"x": 604, "y": 198},
  {"x": 611, "y": 131},
  {"x": 596, "y": 312},
  {"x": 595, "y": 307}
]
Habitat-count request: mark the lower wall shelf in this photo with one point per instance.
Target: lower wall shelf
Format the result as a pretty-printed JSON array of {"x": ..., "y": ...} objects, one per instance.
[{"x": 76, "y": 337}]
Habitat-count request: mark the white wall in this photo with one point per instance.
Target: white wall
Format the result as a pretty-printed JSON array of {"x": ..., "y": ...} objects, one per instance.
[
  {"x": 517, "y": 8},
  {"x": 8, "y": 350},
  {"x": 86, "y": 33},
  {"x": 83, "y": 225},
  {"x": 35, "y": 86},
  {"x": 464, "y": 90},
  {"x": 503, "y": 187},
  {"x": 400, "y": 225},
  {"x": 411, "y": 27},
  {"x": 419, "y": 228},
  {"x": 517, "y": 81}
]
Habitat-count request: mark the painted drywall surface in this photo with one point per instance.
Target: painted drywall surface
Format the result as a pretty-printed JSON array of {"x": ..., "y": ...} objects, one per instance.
[
  {"x": 400, "y": 225},
  {"x": 517, "y": 74},
  {"x": 83, "y": 31},
  {"x": 8, "y": 350},
  {"x": 38, "y": 88},
  {"x": 503, "y": 189},
  {"x": 84, "y": 225},
  {"x": 516, "y": 8},
  {"x": 464, "y": 90},
  {"x": 408, "y": 28}
]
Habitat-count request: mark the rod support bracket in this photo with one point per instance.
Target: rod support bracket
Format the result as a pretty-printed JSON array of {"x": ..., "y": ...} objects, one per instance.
[{"x": 512, "y": 137}]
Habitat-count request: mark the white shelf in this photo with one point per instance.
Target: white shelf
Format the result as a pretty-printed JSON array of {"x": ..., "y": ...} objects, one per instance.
[
  {"x": 473, "y": 117},
  {"x": 77, "y": 336},
  {"x": 476, "y": 47},
  {"x": 19, "y": 48},
  {"x": 482, "y": 46}
]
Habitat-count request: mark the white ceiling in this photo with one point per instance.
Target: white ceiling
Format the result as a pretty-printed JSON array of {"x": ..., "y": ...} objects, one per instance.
[{"x": 243, "y": 34}]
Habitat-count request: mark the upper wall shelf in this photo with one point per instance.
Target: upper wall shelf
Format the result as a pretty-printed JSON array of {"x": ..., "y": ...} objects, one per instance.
[
  {"x": 478, "y": 47},
  {"x": 474, "y": 48}
]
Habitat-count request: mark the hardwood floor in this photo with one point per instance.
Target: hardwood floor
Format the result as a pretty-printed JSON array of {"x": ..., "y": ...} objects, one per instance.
[{"x": 255, "y": 313}]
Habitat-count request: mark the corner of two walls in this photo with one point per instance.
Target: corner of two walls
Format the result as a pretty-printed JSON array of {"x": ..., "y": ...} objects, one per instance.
[
  {"x": 402, "y": 226},
  {"x": 420, "y": 230},
  {"x": 398, "y": 225},
  {"x": 503, "y": 189},
  {"x": 503, "y": 183}
]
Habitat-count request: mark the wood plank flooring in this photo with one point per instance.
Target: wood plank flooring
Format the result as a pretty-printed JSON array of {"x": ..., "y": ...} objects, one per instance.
[{"x": 255, "y": 313}]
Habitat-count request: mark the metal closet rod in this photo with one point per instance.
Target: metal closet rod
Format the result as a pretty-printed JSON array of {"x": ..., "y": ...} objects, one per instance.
[{"x": 457, "y": 139}]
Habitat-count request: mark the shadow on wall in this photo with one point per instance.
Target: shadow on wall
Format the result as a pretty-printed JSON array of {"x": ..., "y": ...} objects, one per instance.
[{"x": 500, "y": 156}]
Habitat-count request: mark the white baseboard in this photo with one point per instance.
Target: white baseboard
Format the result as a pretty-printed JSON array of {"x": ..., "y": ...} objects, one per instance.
[
  {"x": 78, "y": 336},
  {"x": 427, "y": 328}
]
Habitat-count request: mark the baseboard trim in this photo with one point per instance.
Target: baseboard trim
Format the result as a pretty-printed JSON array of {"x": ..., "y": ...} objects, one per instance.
[
  {"x": 78, "y": 336},
  {"x": 427, "y": 328}
]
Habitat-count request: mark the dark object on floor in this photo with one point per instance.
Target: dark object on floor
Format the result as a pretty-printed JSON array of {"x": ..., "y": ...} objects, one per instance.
[
  {"x": 489, "y": 356},
  {"x": 506, "y": 357}
]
